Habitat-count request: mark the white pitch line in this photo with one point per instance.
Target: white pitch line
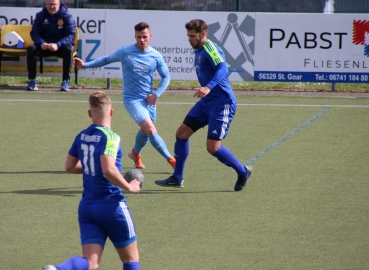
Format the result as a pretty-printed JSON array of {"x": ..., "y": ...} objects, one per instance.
[
  {"x": 281, "y": 105},
  {"x": 189, "y": 103},
  {"x": 44, "y": 100},
  {"x": 305, "y": 105}
]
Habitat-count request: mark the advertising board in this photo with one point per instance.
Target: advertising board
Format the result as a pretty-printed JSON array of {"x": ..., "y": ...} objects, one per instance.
[{"x": 312, "y": 48}]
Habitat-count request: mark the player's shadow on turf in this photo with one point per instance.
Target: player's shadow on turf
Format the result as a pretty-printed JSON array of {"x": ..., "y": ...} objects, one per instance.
[
  {"x": 28, "y": 172},
  {"x": 49, "y": 191},
  {"x": 63, "y": 172},
  {"x": 67, "y": 192},
  {"x": 148, "y": 172}
]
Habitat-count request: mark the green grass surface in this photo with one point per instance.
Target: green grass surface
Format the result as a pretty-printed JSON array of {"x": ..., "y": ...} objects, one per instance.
[
  {"x": 175, "y": 84},
  {"x": 305, "y": 206}
]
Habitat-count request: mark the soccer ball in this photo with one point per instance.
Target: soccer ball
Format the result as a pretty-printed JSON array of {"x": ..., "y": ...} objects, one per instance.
[
  {"x": 49, "y": 267},
  {"x": 134, "y": 174}
]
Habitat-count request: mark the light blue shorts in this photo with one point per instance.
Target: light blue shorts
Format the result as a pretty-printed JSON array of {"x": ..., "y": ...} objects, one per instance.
[{"x": 139, "y": 110}]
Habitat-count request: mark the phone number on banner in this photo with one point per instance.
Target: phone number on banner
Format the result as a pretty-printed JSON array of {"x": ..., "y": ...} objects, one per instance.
[{"x": 311, "y": 77}]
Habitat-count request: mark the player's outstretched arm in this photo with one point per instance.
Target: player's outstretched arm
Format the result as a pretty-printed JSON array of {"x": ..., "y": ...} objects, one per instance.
[
  {"x": 115, "y": 177},
  {"x": 105, "y": 60},
  {"x": 78, "y": 62},
  {"x": 73, "y": 165}
]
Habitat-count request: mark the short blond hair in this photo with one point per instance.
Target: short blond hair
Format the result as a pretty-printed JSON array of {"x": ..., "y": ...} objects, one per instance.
[{"x": 100, "y": 102}]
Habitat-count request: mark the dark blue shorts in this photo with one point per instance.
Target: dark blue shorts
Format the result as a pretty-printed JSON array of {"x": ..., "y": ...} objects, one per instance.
[
  {"x": 217, "y": 115},
  {"x": 99, "y": 220}
]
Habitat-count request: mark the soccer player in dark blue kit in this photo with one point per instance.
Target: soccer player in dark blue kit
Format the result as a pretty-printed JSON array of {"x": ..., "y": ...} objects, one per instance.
[
  {"x": 97, "y": 154},
  {"x": 216, "y": 108}
]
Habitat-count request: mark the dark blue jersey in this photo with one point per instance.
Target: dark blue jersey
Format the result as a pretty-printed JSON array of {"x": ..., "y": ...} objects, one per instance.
[
  {"x": 212, "y": 71},
  {"x": 88, "y": 146},
  {"x": 59, "y": 28}
]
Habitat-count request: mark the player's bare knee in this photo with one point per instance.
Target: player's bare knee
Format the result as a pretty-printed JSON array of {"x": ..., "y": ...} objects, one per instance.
[
  {"x": 212, "y": 145},
  {"x": 179, "y": 134},
  {"x": 131, "y": 257},
  {"x": 93, "y": 265},
  {"x": 147, "y": 127},
  {"x": 211, "y": 150},
  {"x": 151, "y": 131}
]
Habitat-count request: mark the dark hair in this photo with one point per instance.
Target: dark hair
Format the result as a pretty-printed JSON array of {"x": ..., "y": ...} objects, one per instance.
[
  {"x": 142, "y": 26},
  {"x": 198, "y": 25}
]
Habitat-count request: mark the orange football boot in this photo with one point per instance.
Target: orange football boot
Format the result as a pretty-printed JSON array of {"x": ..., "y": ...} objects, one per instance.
[{"x": 137, "y": 159}]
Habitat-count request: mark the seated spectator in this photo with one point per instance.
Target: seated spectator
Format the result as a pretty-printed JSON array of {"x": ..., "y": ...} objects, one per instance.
[{"x": 53, "y": 33}]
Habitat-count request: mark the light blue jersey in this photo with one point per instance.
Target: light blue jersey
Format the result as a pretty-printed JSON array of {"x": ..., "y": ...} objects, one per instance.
[{"x": 137, "y": 67}]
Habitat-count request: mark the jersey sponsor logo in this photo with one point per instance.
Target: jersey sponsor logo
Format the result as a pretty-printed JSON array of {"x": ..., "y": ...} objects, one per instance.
[
  {"x": 138, "y": 67},
  {"x": 141, "y": 69}
]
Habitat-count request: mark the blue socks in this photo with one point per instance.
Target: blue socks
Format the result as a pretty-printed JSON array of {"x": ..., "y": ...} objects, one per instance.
[
  {"x": 141, "y": 140},
  {"x": 159, "y": 145},
  {"x": 226, "y": 156},
  {"x": 75, "y": 263},
  {"x": 131, "y": 266},
  {"x": 181, "y": 150}
]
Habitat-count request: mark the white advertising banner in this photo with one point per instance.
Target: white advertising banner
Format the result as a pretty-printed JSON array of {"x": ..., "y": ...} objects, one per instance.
[
  {"x": 103, "y": 31},
  {"x": 234, "y": 32},
  {"x": 312, "y": 48},
  {"x": 258, "y": 46}
]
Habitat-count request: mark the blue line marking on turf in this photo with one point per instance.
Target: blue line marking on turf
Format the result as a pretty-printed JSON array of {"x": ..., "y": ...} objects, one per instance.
[{"x": 288, "y": 136}]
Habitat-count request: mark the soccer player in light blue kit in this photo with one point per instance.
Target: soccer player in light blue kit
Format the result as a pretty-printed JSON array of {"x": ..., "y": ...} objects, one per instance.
[
  {"x": 96, "y": 153},
  {"x": 216, "y": 108},
  {"x": 139, "y": 61}
]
